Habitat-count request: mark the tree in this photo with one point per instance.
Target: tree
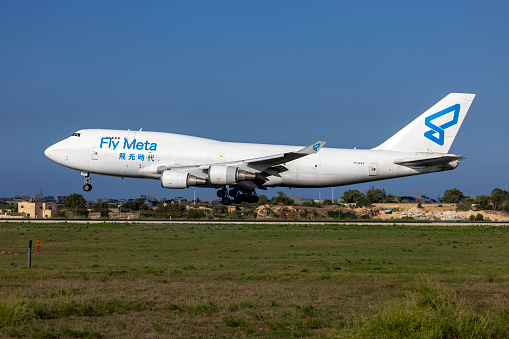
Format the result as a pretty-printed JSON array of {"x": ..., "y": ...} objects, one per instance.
[
  {"x": 352, "y": 196},
  {"x": 74, "y": 200},
  {"x": 135, "y": 205},
  {"x": 170, "y": 211},
  {"x": 505, "y": 205},
  {"x": 281, "y": 199},
  {"x": 76, "y": 203},
  {"x": 262, "y": 200},
  {"x": 483, "y": 202},
  {"x": 376, "y": 195},
  {"x": 453, "y": 196},
  {"x": 101, "y": 207},
  {"x": 498, "y": 196},
  {"x": 363, "y": 202},
  {"x": 392, "y": 198},
  {"x": 11, "y": 207}
]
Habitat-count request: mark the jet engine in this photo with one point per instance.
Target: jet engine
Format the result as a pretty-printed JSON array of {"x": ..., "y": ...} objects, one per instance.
[
  {"x": 179, "y": 179},
  {"x": 228, "y": 175}
]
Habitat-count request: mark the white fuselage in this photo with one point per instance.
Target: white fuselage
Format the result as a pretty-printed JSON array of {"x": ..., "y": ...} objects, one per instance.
[{"x": 138, "y": 154}]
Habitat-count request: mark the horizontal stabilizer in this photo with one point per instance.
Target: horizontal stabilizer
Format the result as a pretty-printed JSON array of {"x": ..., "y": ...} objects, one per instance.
[{"x": 428, "y": 161}]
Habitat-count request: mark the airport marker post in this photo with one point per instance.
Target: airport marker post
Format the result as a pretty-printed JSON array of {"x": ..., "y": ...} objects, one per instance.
[
  {"x": 29, "y": 253},
  {"x": 38, "y": 243}
]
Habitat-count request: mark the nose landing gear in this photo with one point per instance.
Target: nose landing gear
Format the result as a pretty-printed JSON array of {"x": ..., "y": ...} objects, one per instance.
[{"x": 87, "y": 187}]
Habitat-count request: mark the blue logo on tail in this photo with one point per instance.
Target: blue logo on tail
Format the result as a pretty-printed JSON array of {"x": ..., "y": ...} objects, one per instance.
[
  {"x": 440, "y": 129},
  {"x": 315, "y": 147}
]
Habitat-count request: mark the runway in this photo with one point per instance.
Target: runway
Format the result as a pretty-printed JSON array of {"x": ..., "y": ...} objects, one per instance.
[{"x": 252, "y": 222}]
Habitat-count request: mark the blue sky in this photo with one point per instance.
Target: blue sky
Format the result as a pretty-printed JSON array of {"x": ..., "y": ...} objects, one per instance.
[{"x": 285, "y": 72}]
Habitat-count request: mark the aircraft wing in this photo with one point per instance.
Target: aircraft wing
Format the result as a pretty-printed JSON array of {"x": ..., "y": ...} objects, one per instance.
[
  {"x": 262, "y": 166},
  {"x": 263, "y": 163},
  {"x": 424, "y": 162}
]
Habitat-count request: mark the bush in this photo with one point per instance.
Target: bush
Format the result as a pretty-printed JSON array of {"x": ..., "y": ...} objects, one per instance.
[
  {"x": 262, "y": 200},
  {"x": 363, "y": 202},
  {"x": 310, "y": 204},
  {"x": 478, "y": 217},
  {"x": 348, "y": 216},
  {"x": 463, "y": 207},
  {"x": 194, "y": 213},
  {"x": 281, "y": 199},
  {"x": 431, "y": 312},
  {"x": 134, "y": 205},
  {"x": 333, "y": 214}
]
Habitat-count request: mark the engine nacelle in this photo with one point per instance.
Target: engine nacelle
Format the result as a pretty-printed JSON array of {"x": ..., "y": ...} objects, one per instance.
[
  {"x": 227, "y": 175},
  {"x": 223, "y": 175},
  {"x": 178, "y": 179}
]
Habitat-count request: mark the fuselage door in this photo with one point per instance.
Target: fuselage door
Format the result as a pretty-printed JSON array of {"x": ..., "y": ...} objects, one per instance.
[
  {"x": 373, "y": 170},
  {"x": 94, "y": 155},
  {"x": 131, "y": 135}
]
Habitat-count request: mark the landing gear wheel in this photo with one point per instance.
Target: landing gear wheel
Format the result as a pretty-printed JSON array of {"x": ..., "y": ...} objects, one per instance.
[
  {"x": 233, "y": 192},
  {"x": 239, "y": 198},
  {"x": 226, "y": 201},
  {"x": 220, "y": 194},
  {"x": 87, "y": 187},
  {"x": 252, "y": 199}
]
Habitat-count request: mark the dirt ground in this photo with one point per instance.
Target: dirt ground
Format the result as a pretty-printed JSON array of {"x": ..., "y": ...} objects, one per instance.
[
  {"x": 439, "y": 208},
  {"x": 377, "y": 211}
]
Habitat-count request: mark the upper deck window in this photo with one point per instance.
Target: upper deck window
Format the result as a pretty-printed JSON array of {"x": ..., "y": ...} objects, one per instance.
[{"x": 76, "y": 135}]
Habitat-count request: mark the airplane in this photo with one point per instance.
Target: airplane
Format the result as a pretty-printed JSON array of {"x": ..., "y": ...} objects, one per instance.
[{"x": 181, "y": 161}]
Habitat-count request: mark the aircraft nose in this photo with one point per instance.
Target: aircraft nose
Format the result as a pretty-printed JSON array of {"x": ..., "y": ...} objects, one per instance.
[
  {"x": 54, "y": 153},
  {"x": 48, "y": 152}
]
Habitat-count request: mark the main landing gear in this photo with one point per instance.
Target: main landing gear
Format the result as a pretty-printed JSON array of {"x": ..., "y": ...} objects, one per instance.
[
  {"x": 87, "y": 187},
  {"x": 237, "y": 195}
]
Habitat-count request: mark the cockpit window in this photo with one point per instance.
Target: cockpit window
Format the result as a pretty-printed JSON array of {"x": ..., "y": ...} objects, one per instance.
[{"x": 76, "y": 135}]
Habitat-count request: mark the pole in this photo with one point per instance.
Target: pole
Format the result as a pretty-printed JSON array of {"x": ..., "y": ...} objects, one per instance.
[
  {"x": 29, "y": 253},
  {"x": 38, "y": 243}
]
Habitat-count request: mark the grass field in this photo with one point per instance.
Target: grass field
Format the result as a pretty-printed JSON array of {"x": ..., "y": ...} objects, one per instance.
[{"x": 129, "y": 280}]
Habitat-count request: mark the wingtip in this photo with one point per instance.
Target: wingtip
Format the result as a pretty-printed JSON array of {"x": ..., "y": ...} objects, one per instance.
[{"x": 318, "y": 145}]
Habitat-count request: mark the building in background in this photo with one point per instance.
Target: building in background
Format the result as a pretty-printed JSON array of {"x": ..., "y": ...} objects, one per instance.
[{"x": 37, "y": 210}]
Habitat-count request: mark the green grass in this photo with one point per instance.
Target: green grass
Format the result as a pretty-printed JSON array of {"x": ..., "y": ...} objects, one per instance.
[
  {"x": 275, "y": 281},
  {"x": 433, "y": 311}
]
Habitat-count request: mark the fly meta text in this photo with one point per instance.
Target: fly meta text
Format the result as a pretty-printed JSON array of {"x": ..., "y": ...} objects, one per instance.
[{"x": 134, "y": 145}]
